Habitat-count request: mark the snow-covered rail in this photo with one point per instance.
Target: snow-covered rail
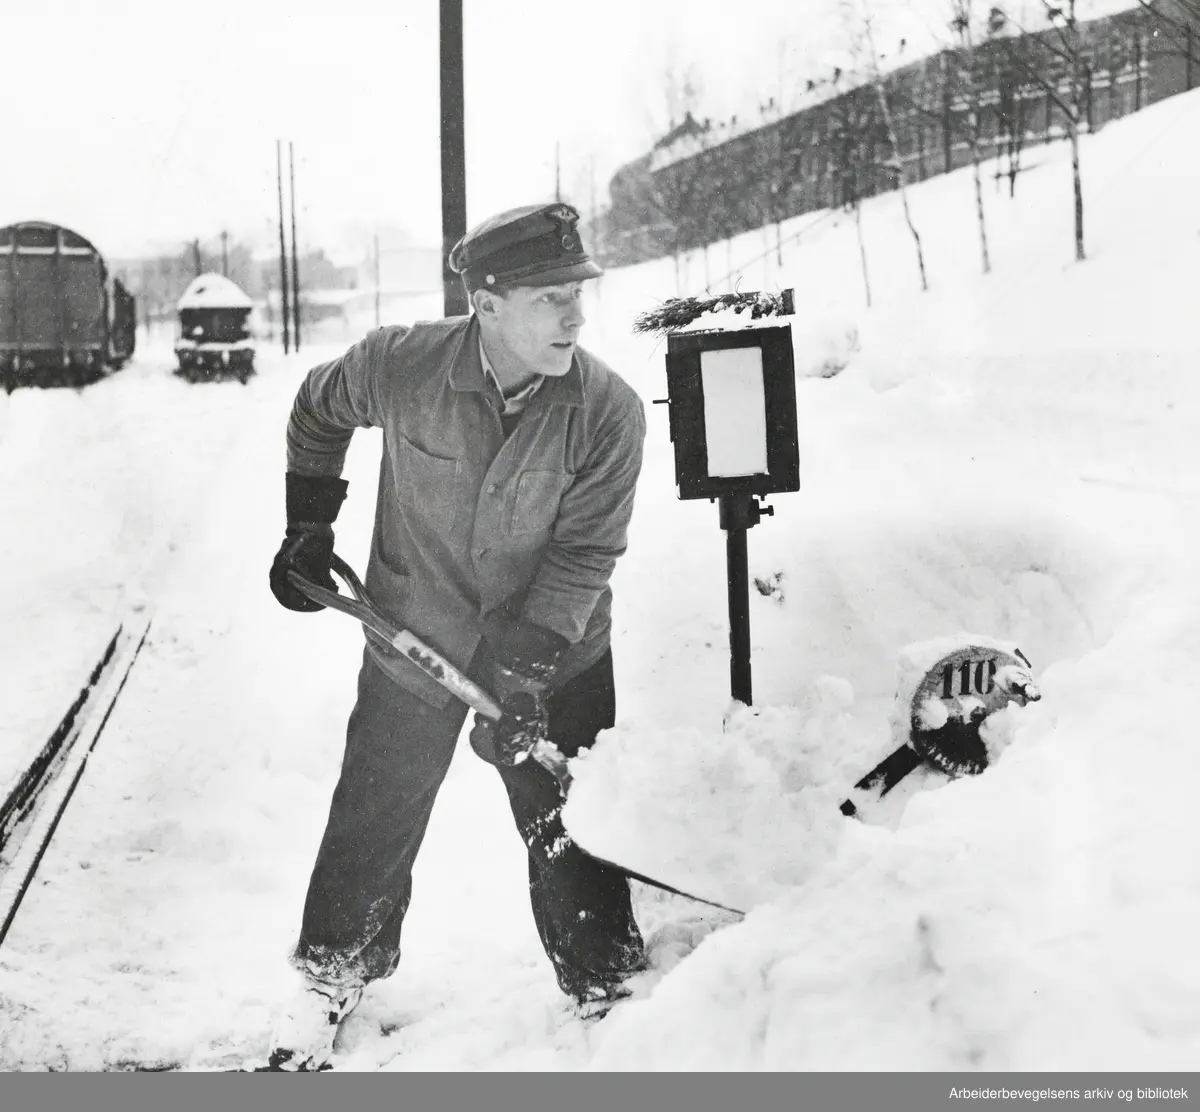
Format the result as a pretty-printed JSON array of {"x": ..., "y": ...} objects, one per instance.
[{"x": 31, "y": 812}]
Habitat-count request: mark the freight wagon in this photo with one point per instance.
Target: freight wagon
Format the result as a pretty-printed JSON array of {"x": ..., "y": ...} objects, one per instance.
[{"x": 63, "y": 319}]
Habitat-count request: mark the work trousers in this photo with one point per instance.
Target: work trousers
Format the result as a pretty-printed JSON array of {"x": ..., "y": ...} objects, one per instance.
[{"x": 398, "y": 750}]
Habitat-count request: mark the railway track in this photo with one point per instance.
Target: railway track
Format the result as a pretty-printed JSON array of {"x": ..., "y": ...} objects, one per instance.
[{"x": 35, "y": 805}]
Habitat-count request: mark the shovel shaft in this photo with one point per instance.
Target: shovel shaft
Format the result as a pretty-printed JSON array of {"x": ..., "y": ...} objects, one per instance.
[{"x": 432, "y": 663}]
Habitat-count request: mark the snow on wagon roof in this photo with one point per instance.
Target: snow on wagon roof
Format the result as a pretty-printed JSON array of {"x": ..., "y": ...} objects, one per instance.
[{"x": 214, "y": 291}]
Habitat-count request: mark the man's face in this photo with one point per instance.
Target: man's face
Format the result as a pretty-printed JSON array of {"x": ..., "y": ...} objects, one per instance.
[{"x": 539, "y": 325}]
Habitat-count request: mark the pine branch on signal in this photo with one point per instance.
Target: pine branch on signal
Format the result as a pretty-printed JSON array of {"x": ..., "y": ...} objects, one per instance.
[{"x": 681, "y": 311}]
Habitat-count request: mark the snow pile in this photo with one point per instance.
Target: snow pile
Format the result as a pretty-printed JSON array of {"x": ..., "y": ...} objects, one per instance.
[
  {"x": 214, "y": 291},
  {"x": 739, "y": 816},
  {"x": 1040, "y": 916}
]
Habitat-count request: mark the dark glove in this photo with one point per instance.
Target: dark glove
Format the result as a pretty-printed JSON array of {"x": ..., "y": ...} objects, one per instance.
[
  {"x": 511, "y": 740},
  {"x": 313, "y": 503},
  {"x": 526, "y": 656}
]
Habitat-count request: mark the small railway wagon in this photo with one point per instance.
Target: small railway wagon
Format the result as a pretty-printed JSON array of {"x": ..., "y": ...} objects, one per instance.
[{"x": 215, "y": 338}]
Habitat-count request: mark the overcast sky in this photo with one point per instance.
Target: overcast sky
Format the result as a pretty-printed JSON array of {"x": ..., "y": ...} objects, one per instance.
[{"x": 144, "y": 124}]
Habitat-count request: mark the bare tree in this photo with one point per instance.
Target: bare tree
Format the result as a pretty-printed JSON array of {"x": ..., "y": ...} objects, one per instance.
[
  {"x": 1068, "y": 50},
  {"x": 676, "y": 184},
  {"x": 853, "y": 135},
  {"x": 679, "y": 197},
  {"x": 1055, "y": 61},
  {"x": 762, "y": 159},
  {"x": 922, "y": 98},
  {"x": 970, "y": 82},
  {"x": 1012, "y": 62},
  {"x": 863, "y": 49},
  {"x": 726, "y": 203},
  {"x": 772, "y": 165}
]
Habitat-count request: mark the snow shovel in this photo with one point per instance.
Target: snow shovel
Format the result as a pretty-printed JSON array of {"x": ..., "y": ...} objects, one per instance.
[{"x": 438, "y": 668}]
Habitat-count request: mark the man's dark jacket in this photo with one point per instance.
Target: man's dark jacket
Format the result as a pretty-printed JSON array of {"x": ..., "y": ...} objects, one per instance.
[{"x": 467, "y": 522}]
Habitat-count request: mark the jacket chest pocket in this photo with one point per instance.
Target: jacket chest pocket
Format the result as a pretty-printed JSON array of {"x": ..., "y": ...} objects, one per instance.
[
  {"x": 429, "y": 484},
  {"x": 536, "y": 500}
]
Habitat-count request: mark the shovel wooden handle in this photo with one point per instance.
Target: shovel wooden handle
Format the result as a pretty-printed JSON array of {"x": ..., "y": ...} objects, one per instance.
[{"x": 432, "y": 663}]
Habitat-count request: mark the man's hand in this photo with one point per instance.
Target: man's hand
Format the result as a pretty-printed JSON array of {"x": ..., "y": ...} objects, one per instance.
[
  {"x": 308, "y": 550},
  {"x": 526, "y": 657},
  {"x": 514, "y": 737},
  {"x": 313, "y": 502}
]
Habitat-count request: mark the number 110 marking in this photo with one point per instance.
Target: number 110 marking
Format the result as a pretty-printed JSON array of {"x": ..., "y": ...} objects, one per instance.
[{"x": 976, "y": 677}]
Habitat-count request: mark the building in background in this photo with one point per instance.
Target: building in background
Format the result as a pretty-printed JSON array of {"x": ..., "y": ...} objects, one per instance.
[{"x": 706, "y": 181}]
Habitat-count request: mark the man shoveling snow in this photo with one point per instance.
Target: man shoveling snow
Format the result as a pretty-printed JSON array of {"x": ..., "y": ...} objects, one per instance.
[{"x": 507, "y": 481}]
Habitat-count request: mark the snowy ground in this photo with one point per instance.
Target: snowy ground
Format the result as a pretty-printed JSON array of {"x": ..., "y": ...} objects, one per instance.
[{"x": 1011, "y": 456}]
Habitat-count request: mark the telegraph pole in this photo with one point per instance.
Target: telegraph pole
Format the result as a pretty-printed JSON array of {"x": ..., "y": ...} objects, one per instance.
[
  {"x": 225, "y": 254},
  {"x": 283, "y": 273},
  {"x": 595, "y": 236},
  {"x": 295, "y": 252},
  {"x": 376, "y": 279},
  {"x": 595, "y": 246},
  {"x": 454, "y": 161}
]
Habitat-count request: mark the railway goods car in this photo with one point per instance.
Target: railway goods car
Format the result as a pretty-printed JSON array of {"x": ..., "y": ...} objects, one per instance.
[{"x": 64, "y": 321}]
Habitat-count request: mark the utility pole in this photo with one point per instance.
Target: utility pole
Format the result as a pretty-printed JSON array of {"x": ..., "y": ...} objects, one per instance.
[
  {"x": 196, "y": 257},
  {"x": 454, "y": 161},
  {"x": 283, "y": 273},
  {"x": 225, "y": 254},
  {"x": 295, "y": 251},
  {"x": 557, "y": 175},
  {"x": 595, "y": 244},
  {"x": 376, "y": 279},
  {"x": 144, "y": 294}
]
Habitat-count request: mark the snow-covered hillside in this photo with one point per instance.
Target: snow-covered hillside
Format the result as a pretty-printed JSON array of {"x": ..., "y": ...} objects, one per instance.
[{"x": 1011, "y": 455}]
